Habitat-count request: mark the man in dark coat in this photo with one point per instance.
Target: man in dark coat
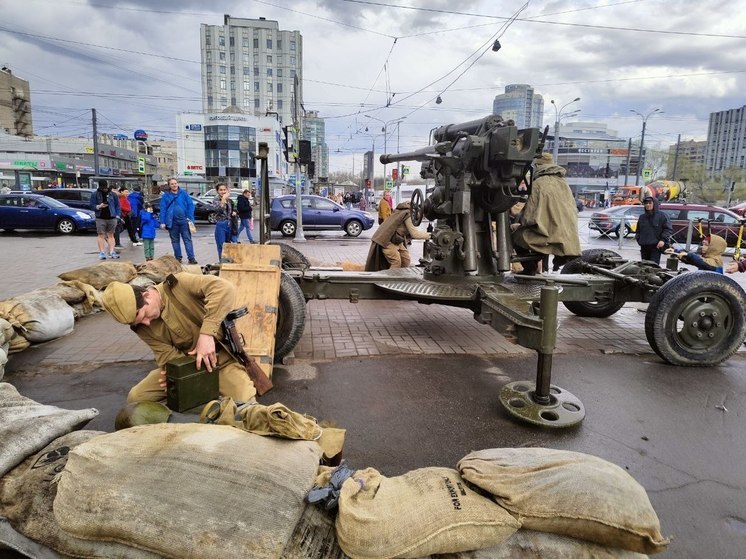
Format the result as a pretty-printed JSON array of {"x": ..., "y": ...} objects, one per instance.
[{"x": 653, "y": 231}]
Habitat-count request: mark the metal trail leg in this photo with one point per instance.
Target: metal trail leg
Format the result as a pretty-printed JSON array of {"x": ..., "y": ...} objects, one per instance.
[{"x": 546, "y": 405}]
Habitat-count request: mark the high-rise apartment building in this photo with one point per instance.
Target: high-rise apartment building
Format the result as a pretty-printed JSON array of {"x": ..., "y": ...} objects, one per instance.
[
  {"x": 314, "y": 129},
  {"x": 693, "y": 152},
  {"x": 521, "y": 104},
  {"x": 251, "y": 64},
  {"x": 15, "y": 105},
  {"x": 726, "y": 141}
]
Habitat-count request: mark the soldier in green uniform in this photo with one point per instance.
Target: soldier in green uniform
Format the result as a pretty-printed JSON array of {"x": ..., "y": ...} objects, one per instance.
[{"x": 180, "y": 319}]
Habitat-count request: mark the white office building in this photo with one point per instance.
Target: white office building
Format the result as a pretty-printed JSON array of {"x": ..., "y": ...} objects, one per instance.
[
  {"x": 251, "y": 64},
  {"x": 222, "y": 147}
]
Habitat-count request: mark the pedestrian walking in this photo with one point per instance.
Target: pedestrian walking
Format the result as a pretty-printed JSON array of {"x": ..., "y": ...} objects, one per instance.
[
  {"x": 245, "y": 209},
  {"x": 129, "y": 224},
  {"x": 136, "y": 201},
  {"x": 385, "y": 207},
  {"x": 148, "y": 228},
  {"x": 224, "y": 217},
  {"x": 106, "y": 205},
  {"x": 653, "y": 231},
  {"x": 177, "y": 214}
]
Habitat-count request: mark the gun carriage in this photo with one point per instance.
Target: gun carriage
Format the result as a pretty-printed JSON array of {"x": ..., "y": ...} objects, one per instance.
[{"x": 693, "y": 319}]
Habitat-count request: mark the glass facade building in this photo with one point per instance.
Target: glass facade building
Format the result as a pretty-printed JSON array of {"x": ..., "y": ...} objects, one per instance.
[
  {"x": 230, "y": 151},
  {"x": 520, "y": 104}
]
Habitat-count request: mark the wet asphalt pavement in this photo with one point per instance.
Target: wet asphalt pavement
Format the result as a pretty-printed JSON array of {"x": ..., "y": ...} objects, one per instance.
[{"x": 678, "y": 431}]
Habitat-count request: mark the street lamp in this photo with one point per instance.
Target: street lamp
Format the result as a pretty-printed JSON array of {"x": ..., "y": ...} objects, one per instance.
[
  {"x": 642, "y": 140},
  {"x": 396, "y": 121},
  {"x": 557, "y": 116}
]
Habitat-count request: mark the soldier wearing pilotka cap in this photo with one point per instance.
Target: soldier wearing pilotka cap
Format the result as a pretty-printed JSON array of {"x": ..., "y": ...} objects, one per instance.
[{"x": 179, "y": 318}]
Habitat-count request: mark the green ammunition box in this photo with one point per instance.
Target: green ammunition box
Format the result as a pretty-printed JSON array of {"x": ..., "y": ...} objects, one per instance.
[{"x": 186, "y": 387}]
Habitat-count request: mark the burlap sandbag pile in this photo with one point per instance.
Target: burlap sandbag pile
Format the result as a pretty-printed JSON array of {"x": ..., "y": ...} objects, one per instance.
[
  {"x": 102, "y": 274},
  {"x": 27, "y": 495},
  {"x": 568, "y": 493},
  {"x": 27, "y": 426},
  {"x": 6, "y": 334},
  {"x": 423, "y": 512},
  {"x": 189, "y": 490}
]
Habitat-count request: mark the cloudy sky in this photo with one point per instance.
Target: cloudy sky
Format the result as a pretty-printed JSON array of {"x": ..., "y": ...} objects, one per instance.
[{"x": 137, "y": 62}]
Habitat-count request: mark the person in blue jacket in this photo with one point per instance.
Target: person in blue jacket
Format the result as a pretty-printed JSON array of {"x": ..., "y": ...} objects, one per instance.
[
  {"x": 177, "y": 210},
  {"x": 136, "y": 202},
  {"x": 106, "y": 205},
  {"x": 149, "y": 225}
]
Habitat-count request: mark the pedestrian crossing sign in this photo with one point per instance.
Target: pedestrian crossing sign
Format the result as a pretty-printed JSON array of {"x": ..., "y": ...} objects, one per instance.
[{"x": 647, "y": 173}]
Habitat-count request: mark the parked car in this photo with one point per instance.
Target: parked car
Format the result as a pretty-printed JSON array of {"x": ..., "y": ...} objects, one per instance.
[
  {"x": 202, "y": 210},
  {"x": 319, "y": 214},
  {"x": 73, "y": 197},
  {"x": 713, "y": 219},
  {"x": 33, "y": 211},
  {"x": 610, "y": 220}
]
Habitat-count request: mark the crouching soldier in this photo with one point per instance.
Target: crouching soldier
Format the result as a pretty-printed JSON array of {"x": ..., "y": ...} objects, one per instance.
[
  {"x": 179, "y": 318},
  {"x": 388, "y": 248}
]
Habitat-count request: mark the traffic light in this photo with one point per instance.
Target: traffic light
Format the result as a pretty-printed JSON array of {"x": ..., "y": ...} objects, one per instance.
[
  {"x": 304, "y": 152},
  {"x": 394, "y": 173},
  {"x": 141, "y": 165},
  {"x": 311, "y": 169},
  {"x": 285, "y": 142}
]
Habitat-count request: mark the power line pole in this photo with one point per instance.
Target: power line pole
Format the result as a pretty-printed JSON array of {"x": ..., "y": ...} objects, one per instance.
[
  {"x": 676, "y": 158},
  {"x": 95, "y": 144},
  {"x": 297, "y": 123}
]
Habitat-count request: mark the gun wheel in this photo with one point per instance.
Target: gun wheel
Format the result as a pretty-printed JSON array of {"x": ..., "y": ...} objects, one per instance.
[
  {"x": 416, "y": 207},
  {"x": 696, "y": 319}
]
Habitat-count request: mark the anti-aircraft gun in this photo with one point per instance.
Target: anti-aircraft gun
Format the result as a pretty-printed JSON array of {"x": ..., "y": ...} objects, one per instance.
[{"x": 477, "y": 167}]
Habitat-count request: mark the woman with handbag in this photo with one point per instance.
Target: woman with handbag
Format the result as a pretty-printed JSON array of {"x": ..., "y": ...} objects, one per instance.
[{"x": 226, "y": 216}]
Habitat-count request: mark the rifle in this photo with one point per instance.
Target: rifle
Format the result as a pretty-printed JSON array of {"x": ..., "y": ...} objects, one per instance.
[{"x": 234, "y": 342}]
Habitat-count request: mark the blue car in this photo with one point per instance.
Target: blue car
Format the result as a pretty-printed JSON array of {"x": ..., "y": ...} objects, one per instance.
[
  {"x": 32, "y": 211},
  {"x": 319, "y": 214}
]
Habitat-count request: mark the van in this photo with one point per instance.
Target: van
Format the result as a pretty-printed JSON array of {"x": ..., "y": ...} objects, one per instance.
[{"x": 713, "y": 219}]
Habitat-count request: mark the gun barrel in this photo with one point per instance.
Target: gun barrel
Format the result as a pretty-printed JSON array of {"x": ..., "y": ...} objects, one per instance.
[
  {"x": 421, "y": 154},
  {"x": 449, "y": 132}
]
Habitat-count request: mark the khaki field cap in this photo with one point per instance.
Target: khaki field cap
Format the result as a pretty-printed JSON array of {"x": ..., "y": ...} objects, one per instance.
[{"x": 119, "y": 302}]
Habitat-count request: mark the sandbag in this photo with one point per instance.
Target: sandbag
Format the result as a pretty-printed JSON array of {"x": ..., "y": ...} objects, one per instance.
[
  {"x": 159, "y": 269},
  {"x": 41, "y": 317},
  {"x": 6, "y": 332},
  {"x": 72, "y": 292},
  {"x": 27, "y": 426},
  {"x": 142, "y": 281},
  {"x": 568, "y": 493},
  {"x": 187, "y": 490},
  {"x": 530, "y": 544},
  {"x": 27, "y": 493},
  {"x": 102, "y": 274},
  {"x": 425, "y": 511},
  {"x": 17, "y": 343},
  {"x": 11, "y": 539},
  {"x": 3, "y": 359}
]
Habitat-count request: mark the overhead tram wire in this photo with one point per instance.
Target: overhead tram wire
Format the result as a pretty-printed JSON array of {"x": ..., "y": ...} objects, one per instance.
[{"x": 530, "y": 20}]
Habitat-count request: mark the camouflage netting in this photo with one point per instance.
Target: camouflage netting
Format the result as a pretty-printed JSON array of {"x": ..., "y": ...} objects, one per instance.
[{"x": 568, "y": 493}]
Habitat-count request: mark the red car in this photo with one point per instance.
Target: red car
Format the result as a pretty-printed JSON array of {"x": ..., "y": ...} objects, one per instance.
[{"x": 713, "y": 219}]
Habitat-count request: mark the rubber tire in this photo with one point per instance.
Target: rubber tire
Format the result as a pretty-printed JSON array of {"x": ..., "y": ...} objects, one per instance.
[
  {"x": 212, "y": 218},
  {"x": 287, "y": 228},
  {"x": 669, "y": 301},
  {"x": 353, "y": 228},
  {"x": 590, "y": 309},
  {"x": 291, "y": 317},
  {"x": 65, "y": 226},
  {"x": 292, "y": 258}
]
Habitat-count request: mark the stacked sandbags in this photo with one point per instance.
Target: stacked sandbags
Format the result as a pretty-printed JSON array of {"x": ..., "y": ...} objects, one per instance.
[
  {"x": 188, "y": 490},
  {"x": 38, "y": 316},
  {"x": 27, "y": 426},
  {"x": 6, "y": 334},
  {"x": 82, "y": 297},
  {"x": 423, "y": 512},
  {"x": 156, "y": 271},
  {"x": 568, "y": 493},
  {"x": 27, "y": 495},
  {"x": 102, "y": 274}
]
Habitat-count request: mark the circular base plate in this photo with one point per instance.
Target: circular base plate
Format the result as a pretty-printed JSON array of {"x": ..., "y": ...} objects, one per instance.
[{"x": 563, "y": 409}]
